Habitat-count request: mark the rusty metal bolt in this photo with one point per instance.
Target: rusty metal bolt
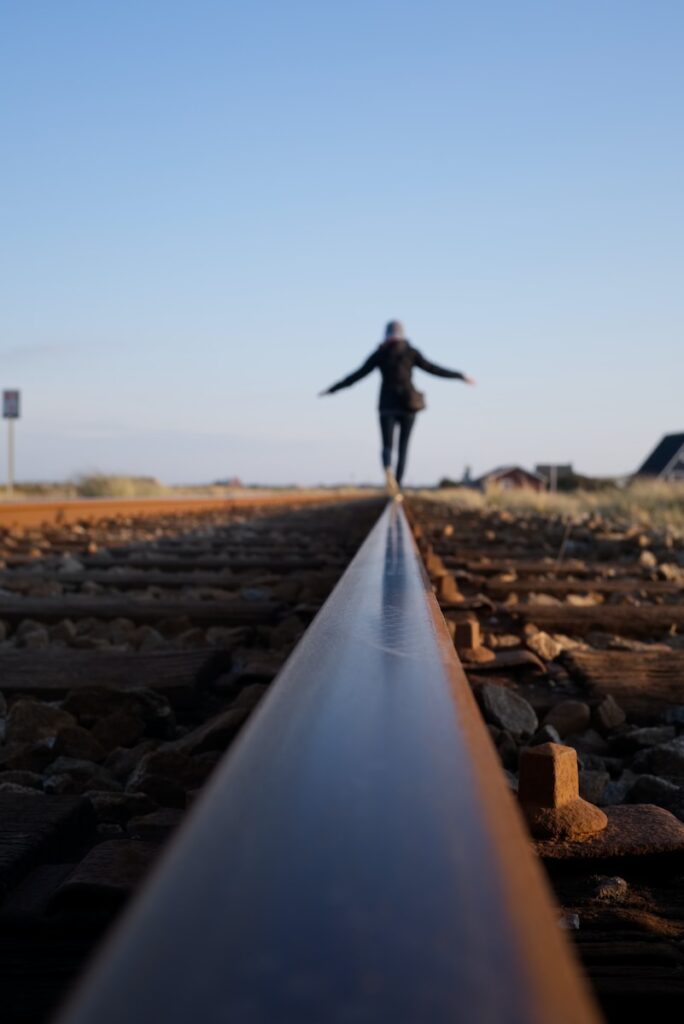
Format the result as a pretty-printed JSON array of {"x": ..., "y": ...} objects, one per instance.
[
  {"x": 548, "y": 791},
  {"x": 435, "y": 565},
  {"x": 467, "y": 640},
  {"x": 466, "y": 633},
  {"x": 447, "y": 589}
]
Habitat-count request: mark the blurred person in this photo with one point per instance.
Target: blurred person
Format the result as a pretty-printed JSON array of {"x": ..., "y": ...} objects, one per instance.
[{"x": 399, "y": 400}]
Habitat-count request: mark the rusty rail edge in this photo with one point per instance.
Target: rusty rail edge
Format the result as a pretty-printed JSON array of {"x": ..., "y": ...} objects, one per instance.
[
  {"x": 357, "y": 856},
  {"x": 43, "y": 513}
]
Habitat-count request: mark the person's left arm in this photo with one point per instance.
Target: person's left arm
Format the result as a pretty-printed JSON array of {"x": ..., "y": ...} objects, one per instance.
[{"x": 439, "y": 371}]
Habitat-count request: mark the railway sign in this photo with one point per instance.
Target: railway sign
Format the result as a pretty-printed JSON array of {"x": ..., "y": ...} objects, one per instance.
[
  {"x": 10, "y": 405},
  {"x": 10, "y": 412}
]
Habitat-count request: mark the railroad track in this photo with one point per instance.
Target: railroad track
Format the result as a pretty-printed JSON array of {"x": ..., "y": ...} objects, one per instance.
[
  {"x": 25, "y": 515},
  {"x": 594, "y": 643},
  {"x": 127, "y": 683},
  {"x": 357, "y": 855}
]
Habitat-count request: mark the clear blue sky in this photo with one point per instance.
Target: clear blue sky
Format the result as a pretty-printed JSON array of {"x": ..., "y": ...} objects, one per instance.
[{"x": 208, "y": 211}]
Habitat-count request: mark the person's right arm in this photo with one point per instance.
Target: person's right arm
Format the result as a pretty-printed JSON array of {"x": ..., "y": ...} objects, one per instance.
[{"x": 362, "y": 371}]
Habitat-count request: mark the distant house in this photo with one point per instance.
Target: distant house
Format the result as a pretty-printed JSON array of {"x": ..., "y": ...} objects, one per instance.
[
  {"x": 563, "y": 471},
  {"x": 510, "y": 478},
  {"x": 666, "y": 461}
]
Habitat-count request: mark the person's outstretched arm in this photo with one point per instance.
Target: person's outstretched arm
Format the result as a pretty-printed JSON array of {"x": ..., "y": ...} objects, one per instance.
[
  {"x": 363, "y": 371},
  {"x": 440, "y": 371}
]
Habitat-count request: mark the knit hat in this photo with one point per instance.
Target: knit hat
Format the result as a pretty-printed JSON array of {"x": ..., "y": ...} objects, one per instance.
[{"x": 394, "y": 331}]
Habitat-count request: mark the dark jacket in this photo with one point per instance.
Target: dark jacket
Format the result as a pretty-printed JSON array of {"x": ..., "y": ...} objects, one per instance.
[{"x": 395, "y": 360}]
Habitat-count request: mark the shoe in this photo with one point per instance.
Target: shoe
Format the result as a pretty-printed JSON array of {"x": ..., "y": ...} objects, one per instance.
[{"x": 392, "y": 485}]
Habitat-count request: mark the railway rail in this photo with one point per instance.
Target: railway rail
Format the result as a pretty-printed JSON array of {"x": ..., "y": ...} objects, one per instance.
[
  {"x": 125, "y": 684},
  {"x": 23, "y": 514},
  {"x": 356, "y": 855},
  {"x": 592, "y": 642}
]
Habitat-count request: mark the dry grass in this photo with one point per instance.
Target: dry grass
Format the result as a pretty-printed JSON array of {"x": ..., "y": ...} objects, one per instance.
[
  {"x": 100, "y": 485},
  {"x": 103, "y": 485},
  {"x": 657, "y": 504}
]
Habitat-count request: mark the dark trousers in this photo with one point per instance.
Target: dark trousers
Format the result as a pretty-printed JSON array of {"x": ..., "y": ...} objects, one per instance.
[{"x": 388, "y": 422}]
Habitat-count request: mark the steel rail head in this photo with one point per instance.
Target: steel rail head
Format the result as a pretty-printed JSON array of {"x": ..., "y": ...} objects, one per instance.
[
  {"x": 30, "y": 514},
  {"x": 357, "y": 856}
]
